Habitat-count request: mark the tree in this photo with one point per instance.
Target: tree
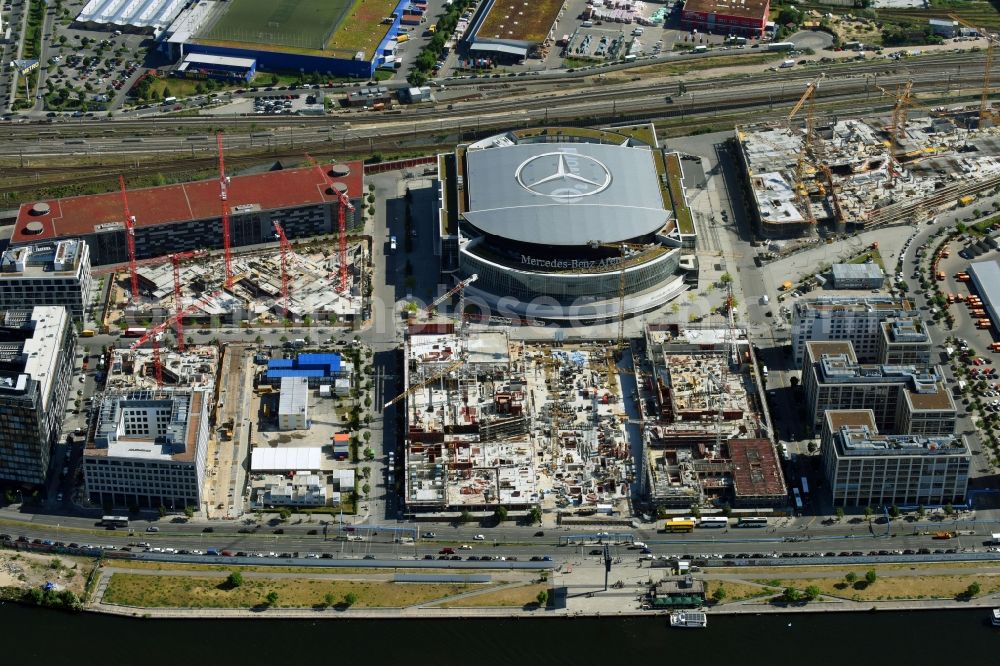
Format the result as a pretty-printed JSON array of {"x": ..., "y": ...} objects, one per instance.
[
  {"x": 871, "y": 577},
  {"x": 840, "y": 513},
  {"x": 869, "y": 512},
  {"x": 350, "y": 599},
  {"x": 272, "y": 598},
  {"x": 542, "y": 598},
  {"x": 949, "y": 509},
  {"x": 696, "y": 511},
  {"x": 726, "y": 278},
  {"x": 972, "y": 590},
  {"x": 719, "y": 594},
  {"x": 791, "y": 594},
  {"x": 163, "y": 511},
  {"x": 284, "y": 513},
  {"x": 329, "y": 599},
  {"x": 921, "y": 511},
  {"x": 166, "y": 92},
  {"x": 500, "y": 514},
  {"x": 894, "y": 512},
  {"x": 465, "y": 517},
  {"x": 812, "y": 592},
  {"x": 851, "y": 577},
  {"x": 535, "y": 515},
  {"x": 189, "y": 511},
  {"x": 234, "y": 580}
]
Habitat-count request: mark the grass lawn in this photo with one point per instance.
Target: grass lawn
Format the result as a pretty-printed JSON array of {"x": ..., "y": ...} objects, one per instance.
[
  {"x": 898, "y": 587},
  {"x": 736, "y": 591},
  {"x": 682, "y": 213},
  {"x": 872, "y": 254},
  {"x": 508, "y": 20},
  {"x": 696, "y": 65},
  {"x": 525, "y": 595},
  {"x": 210, "y": 592}
]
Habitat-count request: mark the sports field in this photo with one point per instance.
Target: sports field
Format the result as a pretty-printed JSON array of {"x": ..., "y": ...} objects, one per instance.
[
  {"x": 312, "y": 27},
  {"x": 304, "y": 24}
]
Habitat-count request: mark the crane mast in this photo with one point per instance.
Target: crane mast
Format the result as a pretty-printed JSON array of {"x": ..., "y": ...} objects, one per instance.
[
  {"x": 130, "y": 239},
  {"x": 284, "y": 266},
  {"x": 224, "y": 199}
]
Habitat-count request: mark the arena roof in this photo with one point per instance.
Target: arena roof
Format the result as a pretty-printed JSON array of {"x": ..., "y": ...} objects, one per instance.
[
  {"x": 138, "y": 13},
  {"x": 77, "y": 216},
  {"x": 564, "y": 193}
]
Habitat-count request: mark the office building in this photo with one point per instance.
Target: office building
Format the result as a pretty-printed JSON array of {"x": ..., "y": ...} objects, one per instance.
[
  {"x": 904, "y": 341},
  {"x": 149, "y": 448},
  {"x": 48, "y": 273},
  {"x": 37, "y": 348},
  {"x": 864, "y": 468},
  {"x": 844, "y": 318},
  {"x": 906, "y": 399}
]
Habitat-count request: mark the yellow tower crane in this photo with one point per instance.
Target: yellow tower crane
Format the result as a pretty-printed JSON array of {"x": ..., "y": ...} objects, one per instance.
[
  {"x": 985, "y": 113},
  {"x": 430, "y": 380}
]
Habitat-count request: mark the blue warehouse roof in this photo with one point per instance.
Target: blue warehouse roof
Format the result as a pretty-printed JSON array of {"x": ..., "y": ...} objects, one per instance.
[{"x": 306, "y": 365}]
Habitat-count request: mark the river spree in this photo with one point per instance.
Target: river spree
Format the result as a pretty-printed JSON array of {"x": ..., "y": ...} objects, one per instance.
[{"x": 883, "y": 638}]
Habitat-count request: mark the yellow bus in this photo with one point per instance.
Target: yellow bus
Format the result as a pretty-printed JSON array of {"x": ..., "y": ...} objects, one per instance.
[
  {"x": 679, "y": 525},
  {"x": 87, "y": 333}
]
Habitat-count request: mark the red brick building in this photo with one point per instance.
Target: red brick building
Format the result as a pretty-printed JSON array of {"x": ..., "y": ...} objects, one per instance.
[{"x": 725, "y": 17}]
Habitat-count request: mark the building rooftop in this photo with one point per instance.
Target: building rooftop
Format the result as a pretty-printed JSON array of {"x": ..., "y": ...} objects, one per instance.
[
  {"x": 30, "y": 349},
  {"x": 817, "y": 349},
  {"x": 272, "y": 190},
  {"x": 864, "y": 271},
  {"x": 43, "y": 259},
  {"x": 139, "y": 13},
  {"x": 743, "y": 8},
  {"x": 227, "y": 61},
  {"x": 564, "y": 194},
  {"x": 160, "y": 424},
  {"x": 858, "y": 441},
  {"x": 828, "y": 305},
  {"x": 755, "y": 468},
  {"x": 294, "y": 397},
  {"x": 286, "y": 459},
  {"x": 905, "y": 330},
  {"x": 987, "y": 277},
  {"x": 839, "y": 418}
]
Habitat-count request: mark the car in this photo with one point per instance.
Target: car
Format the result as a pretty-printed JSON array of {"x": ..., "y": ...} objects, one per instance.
[
  {"x": 465, "y": 546},
  {"x": 152, "y": 528},
  {"x": 546, "y": 558},
  {"x": 539, "y": 533},
  {"x": 596, "y": 551},
  {"x": 479, "y": 537},
  {"x": 645, "y": 551},
  {"x": 329, "y": 556},
  {"x": 472, "y": 558},
  {"x": 428, "y": 535},
  {"x": 279, "y": 531},
  {"x": 428, "y": 557},
  {"x": 455, "y": 558},
  {"x": 208, "y": 530}
]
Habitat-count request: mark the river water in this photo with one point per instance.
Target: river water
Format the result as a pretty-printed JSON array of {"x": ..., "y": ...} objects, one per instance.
[{"x": 816, "y": 639}]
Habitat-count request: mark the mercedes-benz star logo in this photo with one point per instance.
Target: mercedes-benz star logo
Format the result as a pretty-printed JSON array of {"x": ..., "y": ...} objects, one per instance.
[{"x": 574, "y": 175}]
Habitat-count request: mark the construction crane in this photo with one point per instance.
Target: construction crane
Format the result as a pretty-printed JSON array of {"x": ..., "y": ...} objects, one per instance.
[
  {"x": 155, "y": 332},
  {"x": 621, "y": 247},
  {"x": 837, "y": 210},
  {"x": 130, "y": 238},
  {"x": 176, "y": 260},
  {"x": 451, "y": 292},
  {"x": 807, "y": 151},
  {"x": 430, "y": 380},
  {"x": 280, "y": 233},
  {"x": 224, "y": 200},
  {"x": 343, "y": 205},
  {"x": 897, "y": 131},
  {"x": 985, "y": 113}
]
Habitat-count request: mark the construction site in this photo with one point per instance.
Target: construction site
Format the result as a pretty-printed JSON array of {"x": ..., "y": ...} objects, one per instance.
[
  {"x": 706, "y": 432},
  {"x": 492, "y": 422},
  {"x": 268, "y": 286},
  {"x": 809, "y": 175}
]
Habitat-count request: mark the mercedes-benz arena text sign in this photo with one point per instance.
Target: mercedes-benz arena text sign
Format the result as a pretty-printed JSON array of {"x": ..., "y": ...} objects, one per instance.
[{"x": 563, "y": 175}]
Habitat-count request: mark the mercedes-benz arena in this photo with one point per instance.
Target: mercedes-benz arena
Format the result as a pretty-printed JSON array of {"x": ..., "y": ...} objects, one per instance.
[{"x": 550, "y": 218}]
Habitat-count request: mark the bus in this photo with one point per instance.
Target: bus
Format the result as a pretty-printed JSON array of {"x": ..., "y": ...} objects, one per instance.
[
  {"x": 87, "y": 333},
  {"x": 679, "y": 525},
  {"x": 798, "y": 498},
  {"x": 720, "y": 521},
  {"x": 752, "y": 521},
  {"x": 805, "y": 486},
  {"x": 114, "y": 521},
  {"x": 134, "y": 332}
]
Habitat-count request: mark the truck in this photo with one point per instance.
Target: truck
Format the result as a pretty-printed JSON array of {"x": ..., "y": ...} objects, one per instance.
[
  {"x": 701, "y": 48},
  {"x": 966, "y": 200},
  {"x": 780, "y": 46},
  {"x": 299, "y": 343},
  {"x": 87, "y": 333},
  {"x": 785, "y": 64}
]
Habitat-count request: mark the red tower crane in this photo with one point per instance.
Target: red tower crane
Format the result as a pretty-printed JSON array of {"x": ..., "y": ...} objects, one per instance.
[
  {"x": 130, "y": 236},
  {"x": 284, "y": 265},
  {"x": 154, "y": 332},
  {"x": 176, "y": 260},
  {"x": 343, "y": 205},
  {"x": 223, "y": 197}
]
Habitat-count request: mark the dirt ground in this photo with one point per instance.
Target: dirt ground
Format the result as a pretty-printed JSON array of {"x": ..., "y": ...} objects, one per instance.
[{"x": 28, "y": 570}]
